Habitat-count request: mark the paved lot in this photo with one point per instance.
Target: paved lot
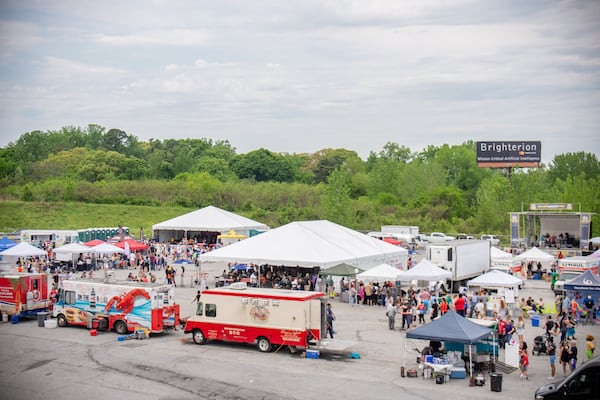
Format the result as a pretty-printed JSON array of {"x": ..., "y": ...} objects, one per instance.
[{"x": 68, "y": 363}]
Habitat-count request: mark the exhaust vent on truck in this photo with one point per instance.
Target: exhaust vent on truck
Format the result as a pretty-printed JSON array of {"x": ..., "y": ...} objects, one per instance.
[{"x": 238, "y": 286}]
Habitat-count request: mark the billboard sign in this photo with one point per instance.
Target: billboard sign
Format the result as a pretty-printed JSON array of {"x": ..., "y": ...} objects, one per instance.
[{"x": 503, "y": 154}]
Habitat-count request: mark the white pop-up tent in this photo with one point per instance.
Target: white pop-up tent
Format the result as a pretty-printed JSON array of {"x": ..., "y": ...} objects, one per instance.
[
  {"x": 321, "y": 244},
  {"x": 23, "y": 250},
  {"x": 497, "y": 279},
  {"x": 425, "y": 270},
  {"x": 382, "y": 272},
  {"x": 536, "y": 255}
]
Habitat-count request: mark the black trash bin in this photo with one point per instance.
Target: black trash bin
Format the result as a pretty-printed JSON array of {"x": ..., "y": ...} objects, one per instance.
[
  {"x": 496, "y": 382},
  {"x": 42, "y": 316}
]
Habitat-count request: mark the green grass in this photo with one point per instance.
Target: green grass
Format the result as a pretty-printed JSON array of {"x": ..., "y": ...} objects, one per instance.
[{"x": 15, "y": 215}]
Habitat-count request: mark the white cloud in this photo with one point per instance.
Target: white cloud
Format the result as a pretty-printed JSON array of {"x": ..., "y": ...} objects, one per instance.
[{"x": 171, "y": 37}]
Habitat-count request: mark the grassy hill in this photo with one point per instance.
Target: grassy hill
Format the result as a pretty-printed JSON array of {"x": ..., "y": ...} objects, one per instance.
[{"x": 15, "y": 215}]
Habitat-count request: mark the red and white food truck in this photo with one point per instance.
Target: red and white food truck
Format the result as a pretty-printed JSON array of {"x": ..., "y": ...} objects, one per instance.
[
  {"x": 265, "y": 317},
  {"x": 123, "y": 306},
  {"x": 23, "y": 293}
]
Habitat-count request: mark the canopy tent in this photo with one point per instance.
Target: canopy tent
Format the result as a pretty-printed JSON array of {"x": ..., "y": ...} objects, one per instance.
[
  {"x": 23, "y": 250},
  {"x": 207, "y": 219},
  {"x": 310, "y": 244},
  {"x": 535, "y": 254},
  {"x": 450, "y": 327},
  {"x": 595, "y": 240},
  {"x": 343, "y": 269},
  {"x": 232, "y": 234},
  {"x": 134, "y": 245},
  {"x": 496, "y": 279},
  {"x": 497, "y": 253},
  {"x": 382, "y": 272},
  {"x": 586, "y": 281},
  {"x": 106, "y": 248},
  {"x": 73, "y": 248},
  {"x": 94, "y": 242},
  {"x": 425, "y": 270},
  {"x": 6, "y": 243}
]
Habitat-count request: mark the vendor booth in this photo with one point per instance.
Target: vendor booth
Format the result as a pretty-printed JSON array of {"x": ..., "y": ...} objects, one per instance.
[
  {"x": 451, "y": 328},
  {"x": 582, "y": 286}
]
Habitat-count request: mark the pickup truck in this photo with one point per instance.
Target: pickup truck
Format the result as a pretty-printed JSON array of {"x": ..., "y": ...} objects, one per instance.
[
  {"x": 439, "y": 237},
  {"x": 492, "y": 238}
]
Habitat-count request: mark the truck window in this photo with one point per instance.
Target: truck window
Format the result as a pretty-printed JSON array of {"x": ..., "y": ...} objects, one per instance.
[
  {"x": 211, "y": 310},
  {"x": 584, "y": 383},
  {"x": 199, "y": 309},
  {"x": 70, "y": 297}
]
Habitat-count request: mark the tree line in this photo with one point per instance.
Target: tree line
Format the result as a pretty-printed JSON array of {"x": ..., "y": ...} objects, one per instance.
[{"x": 438, "y": 188}]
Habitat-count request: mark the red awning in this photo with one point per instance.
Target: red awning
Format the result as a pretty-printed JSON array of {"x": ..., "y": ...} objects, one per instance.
[
  {"x": 392, "y": 241},
  {"x": 94, "y": 242},
  {"x": 134, "y": 245}
]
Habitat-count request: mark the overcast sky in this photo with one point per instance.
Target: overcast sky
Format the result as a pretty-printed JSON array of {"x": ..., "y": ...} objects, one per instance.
[{"x": 299, "y": 76}]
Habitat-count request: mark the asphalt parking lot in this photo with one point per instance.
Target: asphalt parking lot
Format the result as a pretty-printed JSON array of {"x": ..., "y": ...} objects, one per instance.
[{"x": 68, "y": 363}]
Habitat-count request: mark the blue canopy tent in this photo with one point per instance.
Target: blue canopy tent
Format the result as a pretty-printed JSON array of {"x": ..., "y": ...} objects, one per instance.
[
  {"x": 450, "y": 327},
  {"x": 6, "y": 243},
  {"x": 582, "y": 286}
]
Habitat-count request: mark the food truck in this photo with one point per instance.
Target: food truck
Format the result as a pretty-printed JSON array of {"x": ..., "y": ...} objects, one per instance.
[
  {"x": 23, "y": 294},
  {"x": 120, "y": 306},
  {"x": 261, "y": 316}
]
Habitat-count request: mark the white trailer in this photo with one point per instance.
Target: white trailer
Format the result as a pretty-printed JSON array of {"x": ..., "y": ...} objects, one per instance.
[
  {"x": 465, "y": 259},
  {"x": 401, "y": 229},
  {"x": 265, "y": 317},
  {"x": 571, "y": 267}
]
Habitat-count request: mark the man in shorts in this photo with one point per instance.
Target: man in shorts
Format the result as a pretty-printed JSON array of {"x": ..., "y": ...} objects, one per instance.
[{"x": 552, "y": 357}]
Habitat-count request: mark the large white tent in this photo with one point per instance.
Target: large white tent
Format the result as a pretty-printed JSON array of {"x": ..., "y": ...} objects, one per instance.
[
  {"x": 536, "y": 255},
  {"x": 425, "y": 270},
  {"x": 382, "y": 272},
  {"x": 321, "y": 244},
  {"x": 207, "y": 219}
]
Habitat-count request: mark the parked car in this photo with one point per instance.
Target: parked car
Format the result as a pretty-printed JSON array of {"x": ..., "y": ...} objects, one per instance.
[
  {"x": 582, "y": 383},
  {"x": 439, "y": 237},
  {"x": 464, "y": 236},
  {"x": 492, "y": 238}
]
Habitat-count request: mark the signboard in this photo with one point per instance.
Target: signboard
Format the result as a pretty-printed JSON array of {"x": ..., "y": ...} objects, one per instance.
[
  {"x": 509, "y": 154},
  {"x": 551, "y": 206}
]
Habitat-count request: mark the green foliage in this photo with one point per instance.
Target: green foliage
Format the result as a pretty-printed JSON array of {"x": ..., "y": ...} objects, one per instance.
[{"x": 440, "y": 188}]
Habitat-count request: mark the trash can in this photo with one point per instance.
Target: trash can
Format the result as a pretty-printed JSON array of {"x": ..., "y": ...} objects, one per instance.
[
  {"x": 496, "y": 382},
  {"x": 535, "y": 321},
  {"x": 42, "y": 316}
]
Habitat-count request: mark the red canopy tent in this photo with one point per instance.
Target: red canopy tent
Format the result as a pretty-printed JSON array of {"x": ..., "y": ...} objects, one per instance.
[
  {"x": 94, "y": 242},
  {"x": 134, "y": 245},
  {"x": 392, "y": 241}
]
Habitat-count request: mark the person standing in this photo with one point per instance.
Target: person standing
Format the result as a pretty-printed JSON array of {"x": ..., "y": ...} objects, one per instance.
[
  {"x": 524, "y": 361},
  {"x": 589, "y": 310},
  {"x": 551, "y": 347},
  {"x": 435, "y": 308},
  {"x": 197, "y": 297},
  {"x": 520, "y": 329},
  {"x": 590, "y": 346},
  {"x": 330, "y": 319},
  {"x": 391, "y": 314},
  {"x": 564, "y": 356},
  {"x": 459, "y": 305},
  {"x": 573, "y": 355}
]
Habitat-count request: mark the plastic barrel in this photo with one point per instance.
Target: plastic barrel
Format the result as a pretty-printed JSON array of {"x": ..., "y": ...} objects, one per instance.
[
  {"x": 41, "y": 317},
  {"x": 535, "y": 320},
  {"x": 496, "y": 382}
]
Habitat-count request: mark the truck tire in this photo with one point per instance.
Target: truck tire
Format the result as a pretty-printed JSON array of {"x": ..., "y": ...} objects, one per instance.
[
  {"x": 120, "y": 327},
  {"x": 61, "y": 321},
  {"x": 263, "y": 345},
  {"x": 198, "y": 336}
]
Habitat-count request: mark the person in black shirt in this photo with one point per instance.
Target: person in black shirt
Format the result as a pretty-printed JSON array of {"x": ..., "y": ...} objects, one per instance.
[{"x": 589, "y": 310}]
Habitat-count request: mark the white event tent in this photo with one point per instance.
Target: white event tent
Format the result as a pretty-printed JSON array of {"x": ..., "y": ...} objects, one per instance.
[
  {"x": 321, "y": 244},
  {"x": 536, "y": 255},
  {"x": 425, "y": 270},
  {"x": 23, "y": 250},
  {"x": 497, "y": 279},
  {"x": 382, "y": 272},
  {"x": 207, "y": 219}
]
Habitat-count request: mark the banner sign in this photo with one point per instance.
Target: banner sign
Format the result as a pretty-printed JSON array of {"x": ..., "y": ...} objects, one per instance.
[
  {"x": 586, "y": 219},
  {"x": 514, "y": 230},
  {"x": 509, "y": 154},
  {"x": 551, "y": 206}
]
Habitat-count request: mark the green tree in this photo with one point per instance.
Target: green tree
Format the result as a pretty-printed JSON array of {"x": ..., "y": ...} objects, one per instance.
[
  {"x": 574, "y": 164},
  {"x": 263, "y": 165}
]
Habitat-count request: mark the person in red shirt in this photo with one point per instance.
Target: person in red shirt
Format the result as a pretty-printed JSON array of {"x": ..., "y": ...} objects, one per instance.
[
  {"x": 523, "y": 362},
  {"x": 443, "y": 306},
  {"x": 459, "y": 304}
]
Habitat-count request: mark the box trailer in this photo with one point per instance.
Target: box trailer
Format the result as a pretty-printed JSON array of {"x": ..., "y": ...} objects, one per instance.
[
  {"x": 571, "y": 267},
  {"x": 264, "y": 317},
  {"x": 465, "y": 259},
  {"x": 23, "y": 294},
  {"x": 120, "y": 306}
]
